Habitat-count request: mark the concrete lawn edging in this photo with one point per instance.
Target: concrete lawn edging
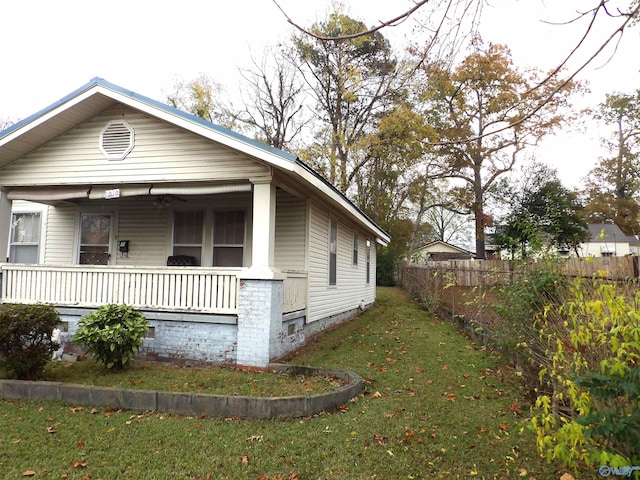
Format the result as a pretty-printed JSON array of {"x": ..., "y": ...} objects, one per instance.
[{"x": 193, "y": 404}]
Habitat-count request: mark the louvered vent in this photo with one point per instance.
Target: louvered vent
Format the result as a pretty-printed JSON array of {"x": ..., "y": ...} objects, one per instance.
[{"x": 116, "y": 140}]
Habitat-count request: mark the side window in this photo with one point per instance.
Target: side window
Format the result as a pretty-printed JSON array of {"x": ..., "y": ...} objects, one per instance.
[
  {"x": 355, "y": 249},
  {"x": 333, "y": 251},
  {"x": 228, "y": 238},
  {"x": 188, "y": 234},
  {"x": 368, "y": 262},
  {"x": 25, "y": 238}
]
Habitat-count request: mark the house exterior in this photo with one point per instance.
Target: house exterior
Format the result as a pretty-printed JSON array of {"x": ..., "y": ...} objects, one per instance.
[
  {"x": 441, "y": 251},
  {"x": 235, "y": 251},
  {"x": 608, "y": 240}
]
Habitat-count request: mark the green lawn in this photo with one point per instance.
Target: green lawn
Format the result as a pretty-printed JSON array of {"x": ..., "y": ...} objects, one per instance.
[{"x": 435, "y": 406}]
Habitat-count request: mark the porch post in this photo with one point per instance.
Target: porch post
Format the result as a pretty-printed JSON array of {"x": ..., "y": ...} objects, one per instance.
[
  {"x": 5, "y": 226},
  {"x": 264, "y": 225},
  {"x": 260, "y": 296}
]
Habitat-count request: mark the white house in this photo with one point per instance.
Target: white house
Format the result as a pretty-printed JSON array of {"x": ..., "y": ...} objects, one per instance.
[
  {"x": 607, "y": 240},
  {"x": 235, "y": 251},
  {"x": 439, "y": 251}
]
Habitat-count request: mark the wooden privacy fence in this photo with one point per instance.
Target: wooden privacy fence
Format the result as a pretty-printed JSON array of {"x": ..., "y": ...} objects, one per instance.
[{"x": 471, "y": 273}]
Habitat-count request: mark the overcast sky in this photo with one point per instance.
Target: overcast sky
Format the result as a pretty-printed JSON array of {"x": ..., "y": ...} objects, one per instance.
[{"x": 52, "y": 47}]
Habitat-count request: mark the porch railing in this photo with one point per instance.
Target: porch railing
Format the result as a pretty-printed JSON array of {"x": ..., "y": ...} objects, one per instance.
[
  {"x": 155, "y": 288},
  {"x": 295, "y": 291},
  {"x": 183, "y": 289}
]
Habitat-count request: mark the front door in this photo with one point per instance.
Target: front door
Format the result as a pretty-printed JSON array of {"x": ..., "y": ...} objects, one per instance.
[{"x": 95, "y": 238}]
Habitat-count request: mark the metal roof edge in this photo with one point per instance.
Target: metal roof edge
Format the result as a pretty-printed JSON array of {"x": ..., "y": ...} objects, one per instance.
[{"x": 385, "y": 238}]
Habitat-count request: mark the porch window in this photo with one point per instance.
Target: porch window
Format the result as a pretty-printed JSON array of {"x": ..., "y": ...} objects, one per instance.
[
  {"x": 355, "y": 249},
  {"x": 188, "y": 234},
  {"x": 333, "y": 251},
  {"x": 25, "y": 237},
  {"x": 228, "y": 238},
  {"x": 95, "y": 238}
]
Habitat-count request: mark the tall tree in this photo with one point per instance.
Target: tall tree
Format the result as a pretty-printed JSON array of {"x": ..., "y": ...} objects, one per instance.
[
  {"x": 201, "y": 96},
  {"x": 273, "y": 103},
  {"x": 350, "y": 81},
  {"x": 482, "y": 112},
  {"x": 544, "y": 214},
  {"x": 613, "y": 185}
]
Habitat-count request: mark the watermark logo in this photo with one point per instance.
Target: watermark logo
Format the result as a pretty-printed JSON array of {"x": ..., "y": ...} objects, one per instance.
[{"x": 625, "y": 471}]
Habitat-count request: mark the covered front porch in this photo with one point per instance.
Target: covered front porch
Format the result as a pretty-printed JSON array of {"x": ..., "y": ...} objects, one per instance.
[{"x": 246, "y": 311}]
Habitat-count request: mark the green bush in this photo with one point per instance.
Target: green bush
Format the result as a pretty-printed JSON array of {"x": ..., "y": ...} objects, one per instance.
[
  {"x": 113, "y": 334},
  {"x": 25, "y": 338},
  {"x": 537, "y": 285},
  {"x": 589, "y": 412}
]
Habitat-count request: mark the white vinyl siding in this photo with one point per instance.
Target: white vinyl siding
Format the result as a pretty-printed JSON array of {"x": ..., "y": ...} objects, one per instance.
[
  {"x": 291, "y": 228},
  {"x": 145, "y": 225},
  {"x": 161, "y": 152},
  {"x": 61, "y": 235},
  {"x": 351, "y": 288}
]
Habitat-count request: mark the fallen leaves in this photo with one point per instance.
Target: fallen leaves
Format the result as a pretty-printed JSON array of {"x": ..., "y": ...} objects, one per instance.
[
  {"x": 28, "y": 473},
  {"x": 78, "y": 463}
]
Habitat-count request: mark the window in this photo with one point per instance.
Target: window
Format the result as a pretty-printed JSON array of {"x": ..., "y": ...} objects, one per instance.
[
  {"x": 333, "y": 251},
  {"x": 95, "y": 238},
  {"x": 368, "y": 262},
  {"x": 355, "y": 249},
  {"x": 25, "y": 238},
  {"x": 228, "y": 238},
  {"x": 188, "y": 228}
]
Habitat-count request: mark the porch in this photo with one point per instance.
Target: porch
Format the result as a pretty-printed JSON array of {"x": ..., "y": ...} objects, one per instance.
[{"x": 163, "y": 289}]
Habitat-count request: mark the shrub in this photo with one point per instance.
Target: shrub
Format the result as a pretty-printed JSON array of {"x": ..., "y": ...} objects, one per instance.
[
  {"x": 590, "y": 412},
  {"x": 25, "y": 338},
  {"x": 536, "y": 286},
  {"x": 113, "y": 334}
]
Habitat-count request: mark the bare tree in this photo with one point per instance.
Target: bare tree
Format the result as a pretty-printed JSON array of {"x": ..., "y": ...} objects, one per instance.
[{"x": 274, "y": 107}]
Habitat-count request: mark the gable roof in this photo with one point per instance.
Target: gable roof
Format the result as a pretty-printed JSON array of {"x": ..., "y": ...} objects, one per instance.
[
  {"x": 608, "y": 232},
  {"x": 98, "y": 95},
  {"x": 448, "y": 247}
]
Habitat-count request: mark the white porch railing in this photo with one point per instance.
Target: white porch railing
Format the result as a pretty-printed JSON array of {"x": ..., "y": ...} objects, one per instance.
[
  {"x": 295, "y": 291},
  {"x": 182, "y": 289},
  {"x": 157, "y": 288}
]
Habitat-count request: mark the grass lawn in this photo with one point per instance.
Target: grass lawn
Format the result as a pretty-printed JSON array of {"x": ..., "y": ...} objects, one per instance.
[
  {"x": 173, "y": 378},
  {"x": 435, "y": 406}
]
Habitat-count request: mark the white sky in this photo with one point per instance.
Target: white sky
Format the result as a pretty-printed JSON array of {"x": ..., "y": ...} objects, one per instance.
[{"x": 52, "y": 47}]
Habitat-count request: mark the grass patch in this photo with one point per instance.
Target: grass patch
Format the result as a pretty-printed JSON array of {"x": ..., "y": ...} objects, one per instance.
[
  {"x": 435, "y": 406},
  {"x": 173, "y": 378}
]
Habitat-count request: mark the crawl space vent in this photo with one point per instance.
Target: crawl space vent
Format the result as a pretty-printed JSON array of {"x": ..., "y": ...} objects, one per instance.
[{"x": 116, "y": 140}]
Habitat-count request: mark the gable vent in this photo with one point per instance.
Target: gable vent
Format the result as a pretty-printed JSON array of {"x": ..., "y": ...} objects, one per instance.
[{"x": 116, "y": 140}]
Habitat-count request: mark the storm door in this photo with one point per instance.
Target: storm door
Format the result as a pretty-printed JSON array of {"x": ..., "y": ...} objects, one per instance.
[{"x": 95, "y": 238}]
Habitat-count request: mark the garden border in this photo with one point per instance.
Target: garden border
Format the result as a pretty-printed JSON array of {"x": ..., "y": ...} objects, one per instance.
[{"x": 193, "y": 404}]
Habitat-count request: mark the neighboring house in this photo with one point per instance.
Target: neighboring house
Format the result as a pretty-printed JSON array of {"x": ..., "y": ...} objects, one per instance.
[
  {"x": 607, "y": 240},
  {"x": 438, "y": 251},
  {"x": 235, "y": 251}
]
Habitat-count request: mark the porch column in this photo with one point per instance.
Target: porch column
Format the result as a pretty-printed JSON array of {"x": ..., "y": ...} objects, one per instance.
[
  {"x": 259, "y": 320},
  {"x": 260, "y": 296},
  {"x": 264, "y": 226},
  {"x": 5, "y": 226}
]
